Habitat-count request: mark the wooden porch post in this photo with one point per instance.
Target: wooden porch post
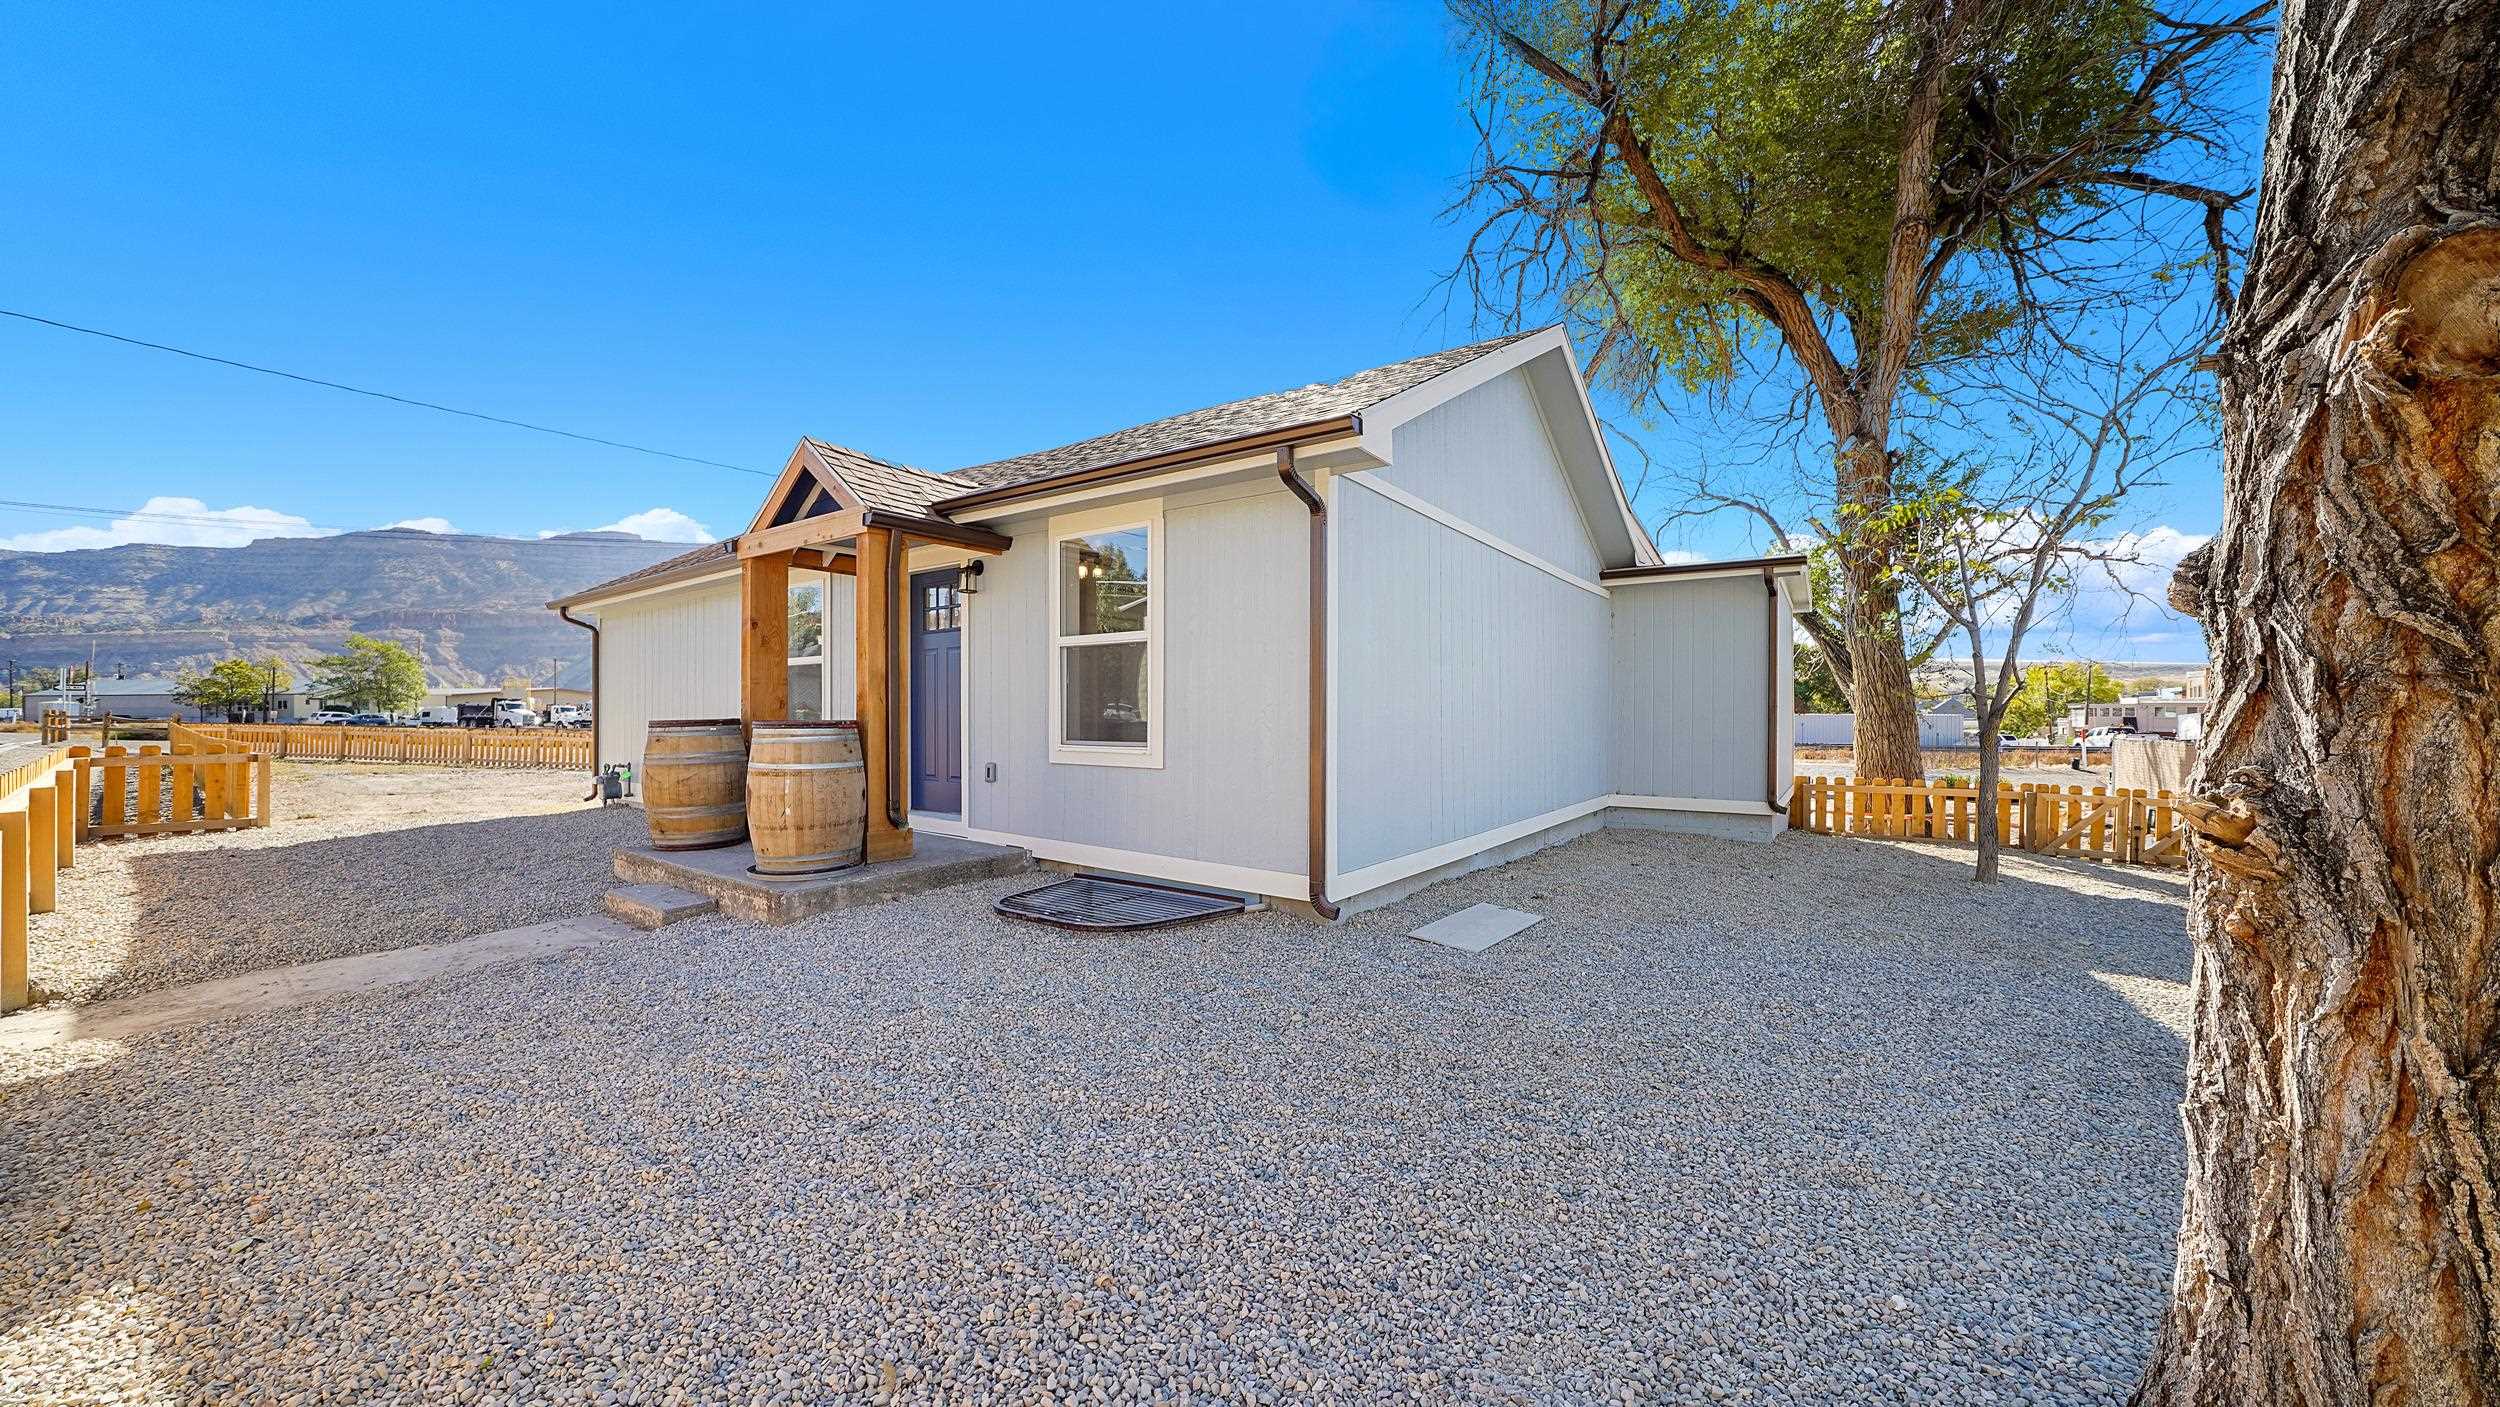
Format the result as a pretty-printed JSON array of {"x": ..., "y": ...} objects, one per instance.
[
  {"x": 764, "y": 647},
  {"x": 873, "y": 638}
]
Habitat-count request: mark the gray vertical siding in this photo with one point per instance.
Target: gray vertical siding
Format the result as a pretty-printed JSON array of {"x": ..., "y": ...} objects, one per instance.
[
  {"x": 1486, "y": 458},
  {"x": 1471, "y": 688},
  {"x": 1692, "y": 661},
  {"x": 1232, "y": 788},
  {"x": 674, "y": 655}
]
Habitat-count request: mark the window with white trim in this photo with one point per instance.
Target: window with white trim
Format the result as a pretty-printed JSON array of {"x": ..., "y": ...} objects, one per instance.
[
  {"x": 1106, "y": 639},
  {"x": 807, "y": 645}
]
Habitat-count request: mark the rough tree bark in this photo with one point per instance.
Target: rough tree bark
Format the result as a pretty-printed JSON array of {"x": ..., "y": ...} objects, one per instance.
[{"x": 2340, "y": 1239}]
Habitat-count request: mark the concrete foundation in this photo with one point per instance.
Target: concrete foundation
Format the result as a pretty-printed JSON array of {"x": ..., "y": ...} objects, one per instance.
[{"x": 722, "y": 875}]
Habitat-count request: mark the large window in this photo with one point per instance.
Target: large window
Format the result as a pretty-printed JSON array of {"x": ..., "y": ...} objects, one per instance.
[
  {"x": 1106, "y": 639},
  {"x": 807, "y": 646}
]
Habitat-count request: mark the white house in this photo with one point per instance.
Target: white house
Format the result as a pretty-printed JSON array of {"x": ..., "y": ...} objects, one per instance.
[
  {"x": 1323, "y": 645},
  {"x": 132, "y": 696}
]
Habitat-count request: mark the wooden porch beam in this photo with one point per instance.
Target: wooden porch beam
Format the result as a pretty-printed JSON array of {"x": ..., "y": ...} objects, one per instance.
[
  {"x": 764, "y": 639},
  {"x": 806, "y": 532},
  {"x": 820, "y": 559},
  {"x": 884, "y": 702}
]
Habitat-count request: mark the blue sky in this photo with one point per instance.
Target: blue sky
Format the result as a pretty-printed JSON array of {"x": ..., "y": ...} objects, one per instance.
[{"x": 940, "y": 238}]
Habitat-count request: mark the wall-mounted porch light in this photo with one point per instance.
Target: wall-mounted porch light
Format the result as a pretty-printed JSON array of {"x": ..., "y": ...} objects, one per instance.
[{"x": 968, "y": 578}]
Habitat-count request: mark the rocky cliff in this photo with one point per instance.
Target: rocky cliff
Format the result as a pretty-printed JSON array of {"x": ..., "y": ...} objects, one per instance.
[{"x": 474, "y": 607}]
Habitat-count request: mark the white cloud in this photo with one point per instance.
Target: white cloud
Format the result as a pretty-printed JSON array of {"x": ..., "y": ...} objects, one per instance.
[
  {"x": 656, "y": 524},
  {"x": 180, "y": 522},
  {"x": 424, "y": 525},
  {"x": 2121, "y": 608}
]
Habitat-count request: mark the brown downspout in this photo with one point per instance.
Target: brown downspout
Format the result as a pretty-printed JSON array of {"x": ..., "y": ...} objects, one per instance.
[
  {"x": 566, "y": 613},
  {"x": 1318, "y": 827},
  {"x": 1771, "y": 690}
]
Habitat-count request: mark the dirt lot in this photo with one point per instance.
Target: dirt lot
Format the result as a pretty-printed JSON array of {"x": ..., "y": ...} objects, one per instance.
[{"x": 357, "y": 858}]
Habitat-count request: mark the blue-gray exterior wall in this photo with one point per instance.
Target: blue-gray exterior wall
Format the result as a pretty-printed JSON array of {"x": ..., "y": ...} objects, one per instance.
[
  {"x": 1471, "y": 687},
  {"x": 1694, "y": 670},
  {"x": 1485, "y": 457},
  {"x": 1236, "y": 680}
]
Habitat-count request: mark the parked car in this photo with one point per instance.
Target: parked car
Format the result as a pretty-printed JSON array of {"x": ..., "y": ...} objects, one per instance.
[
  {"x": 2103, "y": 737},
  {"x": 368, "y": 720},
  {"x": 437, "y": 716},
  {"x": 331, "y": 717}
]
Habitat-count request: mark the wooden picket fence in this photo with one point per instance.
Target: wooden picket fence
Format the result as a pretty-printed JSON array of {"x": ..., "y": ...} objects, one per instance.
[
  {"x": 40, "y": 823},
  {"x": 197, "y": 781},
  {"x": 563, "y": 748},
  {"x": 2127, "y": 827},
  {"x": 60, "y": 798}
]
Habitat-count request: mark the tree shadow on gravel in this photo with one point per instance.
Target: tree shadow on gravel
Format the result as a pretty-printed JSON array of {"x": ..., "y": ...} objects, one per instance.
[{"x": 221, "y": 911}]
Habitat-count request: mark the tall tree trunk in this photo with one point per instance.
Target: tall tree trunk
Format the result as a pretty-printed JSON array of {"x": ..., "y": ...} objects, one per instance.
[
  {"x": 2340, "y": 1239},
  {"x": 1884, "y": 736},
  {"x": 1885, "y": 733}
]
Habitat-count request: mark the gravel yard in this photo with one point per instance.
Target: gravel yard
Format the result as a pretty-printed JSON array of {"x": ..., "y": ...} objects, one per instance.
[
  {"x": 1819, "y": 1123},
  {"x": 357, "y": 859}
]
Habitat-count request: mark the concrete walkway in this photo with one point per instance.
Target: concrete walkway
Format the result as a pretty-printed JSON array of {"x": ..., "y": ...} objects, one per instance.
[{"x": 283, "y": 987}]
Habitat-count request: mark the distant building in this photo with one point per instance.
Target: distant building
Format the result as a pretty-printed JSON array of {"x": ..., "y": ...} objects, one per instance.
[
  {"x": 132, "y": 696},
  {"x": 2157, "y": 714}
]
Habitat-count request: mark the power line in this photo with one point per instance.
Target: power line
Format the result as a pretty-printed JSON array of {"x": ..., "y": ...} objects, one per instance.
[
  {"x": 381, "y": 395},
  {"x": 213, "y": 521}
]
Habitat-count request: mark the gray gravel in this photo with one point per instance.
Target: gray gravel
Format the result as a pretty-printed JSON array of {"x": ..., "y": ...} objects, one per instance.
[
  {"x": 1818, "y": 1123},
  {"x": 357, "y": 859}
]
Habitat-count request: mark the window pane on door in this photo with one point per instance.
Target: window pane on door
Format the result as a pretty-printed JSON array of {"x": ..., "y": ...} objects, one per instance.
[
  {"x": 1103, "y": 693},
  {"x": 1102, "y": 583}
]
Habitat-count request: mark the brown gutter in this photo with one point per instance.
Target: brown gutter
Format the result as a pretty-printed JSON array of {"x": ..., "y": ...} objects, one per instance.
[
  {"x": 1767, "y": 564},
  {"x": 936, "y": 530},
  {"x": 1286, "y": 438},
  {"x": 1771, "y": 687},
  {"x": 569, "y": 619},
  {"x": 1318, "y": 708}
]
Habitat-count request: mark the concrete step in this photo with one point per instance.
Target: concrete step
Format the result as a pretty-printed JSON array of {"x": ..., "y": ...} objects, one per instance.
[
  {"x": 649, "y": 906},
  {"x": 936, "y": 861}
]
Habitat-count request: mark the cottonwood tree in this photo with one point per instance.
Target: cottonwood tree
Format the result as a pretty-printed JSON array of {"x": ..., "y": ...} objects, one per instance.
[
  {"x": 370, "y": 675},
  {"x": 1851, "y": 191},
  {"x": 227, "y": 688},
  {"x": 1992, "y": 546},
  {"x": 2340, "y": 1238}
]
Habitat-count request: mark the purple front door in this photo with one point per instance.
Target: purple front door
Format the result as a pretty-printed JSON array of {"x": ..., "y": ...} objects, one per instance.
[{"x": 937, "y": 694}]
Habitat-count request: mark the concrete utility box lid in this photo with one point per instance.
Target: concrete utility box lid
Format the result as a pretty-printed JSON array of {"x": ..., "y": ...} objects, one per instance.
[{"x": 1475, "y": 929}]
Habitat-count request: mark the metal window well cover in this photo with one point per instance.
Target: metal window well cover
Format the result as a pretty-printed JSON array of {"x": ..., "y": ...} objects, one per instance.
[{"x": 1096, "y": 904}]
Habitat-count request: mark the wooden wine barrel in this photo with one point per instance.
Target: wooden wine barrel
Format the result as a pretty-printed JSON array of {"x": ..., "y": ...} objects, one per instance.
[
  {"x": 694, "y": 783},
  {"x": 807, "y": 796}
]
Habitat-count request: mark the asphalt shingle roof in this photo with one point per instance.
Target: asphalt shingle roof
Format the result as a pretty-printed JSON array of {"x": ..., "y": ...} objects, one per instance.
[
  {"x": 904, "y": 489},
  {"x": 671, "y": 566},
  {"x": 1257, "y": 415},
  {"x": 897, "y": 487}
]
